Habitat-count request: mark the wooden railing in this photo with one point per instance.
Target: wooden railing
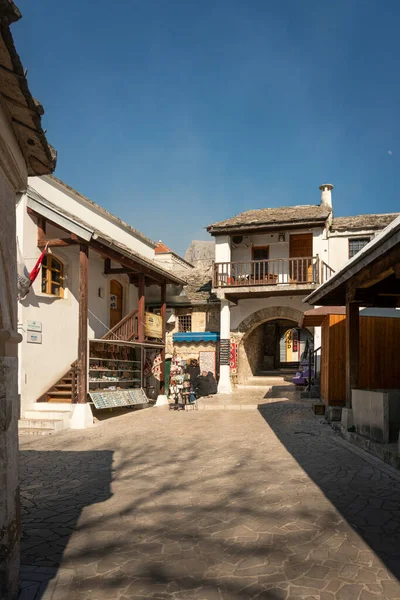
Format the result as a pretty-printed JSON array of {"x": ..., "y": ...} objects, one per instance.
[
  {"x": 126, "y": 329},
  {"x": 271, "y": 272}
]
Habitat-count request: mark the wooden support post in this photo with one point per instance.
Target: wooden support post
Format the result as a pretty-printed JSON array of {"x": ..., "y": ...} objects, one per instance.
[
  {"x": 352, "y": 348},
  {"x": 41, "y": 231},
  {"x": 83, "y": 323},
  {"x": 164, "y": 330},
  {"x": 141, "y": 307}
]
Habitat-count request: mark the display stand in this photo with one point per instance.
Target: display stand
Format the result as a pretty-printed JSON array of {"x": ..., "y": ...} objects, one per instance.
[{"x": 115, "y": 374}]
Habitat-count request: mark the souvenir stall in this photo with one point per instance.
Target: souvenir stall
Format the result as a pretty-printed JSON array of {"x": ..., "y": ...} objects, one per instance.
[
  {"x": 117, "y": 372},
  {"x": 180, "y": 389}
]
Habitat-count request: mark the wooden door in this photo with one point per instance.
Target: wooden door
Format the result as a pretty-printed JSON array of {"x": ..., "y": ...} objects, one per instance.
[
  {"x": 260, "y": 269},
  {"x": 301, "y": 247},
  {"x": 115, "y": 302}
]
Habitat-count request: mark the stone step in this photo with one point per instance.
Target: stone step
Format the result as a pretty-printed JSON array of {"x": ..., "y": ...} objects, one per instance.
[
  {"x": 41, "y": 423},
  {"x": 39, "y": 407},
  {"x": 29, "y": 431},
  {"x": 63, "y": 415}
]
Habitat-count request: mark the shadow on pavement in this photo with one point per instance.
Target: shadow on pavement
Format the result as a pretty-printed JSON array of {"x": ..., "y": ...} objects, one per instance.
[
  {"x": 55, "y": 489},
  {"x": 367, "y": 497},
  {"x": 206, "y": 514}
]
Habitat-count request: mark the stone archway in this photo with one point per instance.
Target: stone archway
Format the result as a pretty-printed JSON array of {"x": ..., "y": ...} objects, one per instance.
[{"x": 246, "y": 328}]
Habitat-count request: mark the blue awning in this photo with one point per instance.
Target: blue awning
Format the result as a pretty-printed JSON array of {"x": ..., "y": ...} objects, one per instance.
[{"x": 196, "y": 336}]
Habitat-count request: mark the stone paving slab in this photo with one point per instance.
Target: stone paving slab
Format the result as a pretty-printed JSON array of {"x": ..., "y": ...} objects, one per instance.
[{"x": 224, "y": 505}]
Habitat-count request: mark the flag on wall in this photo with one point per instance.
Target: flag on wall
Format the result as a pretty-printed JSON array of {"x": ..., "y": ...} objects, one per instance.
[{"x": 25, "y": 279}]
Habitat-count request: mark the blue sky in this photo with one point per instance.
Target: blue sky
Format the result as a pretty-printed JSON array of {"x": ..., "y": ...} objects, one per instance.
[{"x": 177, "y": 113}]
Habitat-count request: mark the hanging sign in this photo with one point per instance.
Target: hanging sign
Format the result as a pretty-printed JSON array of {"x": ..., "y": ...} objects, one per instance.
[
  {"x": 152, "y": 325},
  {"x": 233, "y": 356}
]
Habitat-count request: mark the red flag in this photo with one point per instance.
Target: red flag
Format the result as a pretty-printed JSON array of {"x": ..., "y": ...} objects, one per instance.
[{"x": 36, "y": 269}]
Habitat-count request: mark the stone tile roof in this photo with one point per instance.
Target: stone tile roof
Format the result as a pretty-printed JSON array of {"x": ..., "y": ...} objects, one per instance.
[
  {"x": 363, "y": 222},
  {"x": 198, "y": 285},
  {"x": 23, "y": 110},
  {"x": 267, "y": 218}
]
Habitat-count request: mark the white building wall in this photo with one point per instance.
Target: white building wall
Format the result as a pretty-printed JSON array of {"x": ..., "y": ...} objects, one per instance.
[
  {"x": 277, "y": 249},
  {"x": 223, "y": 248},
  {"x": 41, "y": 365},
  {"x": 70, "y": 202},
  {"x": 339, "y": 245}
]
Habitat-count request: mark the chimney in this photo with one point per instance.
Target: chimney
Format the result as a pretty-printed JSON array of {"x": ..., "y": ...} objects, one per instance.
[{"x": 326, "y": 195}]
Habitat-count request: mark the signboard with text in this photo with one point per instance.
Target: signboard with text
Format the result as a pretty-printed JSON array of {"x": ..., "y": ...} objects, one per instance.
[{"x": 152, "y": 325}]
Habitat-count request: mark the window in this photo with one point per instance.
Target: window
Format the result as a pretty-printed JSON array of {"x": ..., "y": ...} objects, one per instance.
[
  {"x": 185, "y": 323},
  {"x": 52, "y": 276},
  {"x": 356, "y": 245}
]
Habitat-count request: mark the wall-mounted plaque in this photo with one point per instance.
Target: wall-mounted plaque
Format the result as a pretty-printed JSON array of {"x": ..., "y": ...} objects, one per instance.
[
  {"x": 32, "y": 337},
  {"x": 34, "y": 326}
]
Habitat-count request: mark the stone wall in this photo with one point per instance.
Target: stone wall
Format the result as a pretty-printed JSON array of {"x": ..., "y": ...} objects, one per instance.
[
  {"x": 251, "y": 354},
  {"x": 9, "y": 403}
]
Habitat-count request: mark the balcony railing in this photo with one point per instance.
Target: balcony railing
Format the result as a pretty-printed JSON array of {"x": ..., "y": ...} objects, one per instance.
[
  {"x": 126, "y": 329},
  {"x": 294, "y": 271}
]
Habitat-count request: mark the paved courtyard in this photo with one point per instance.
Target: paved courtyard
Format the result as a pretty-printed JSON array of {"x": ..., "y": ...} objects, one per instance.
[{"x": 208, "y": 505}]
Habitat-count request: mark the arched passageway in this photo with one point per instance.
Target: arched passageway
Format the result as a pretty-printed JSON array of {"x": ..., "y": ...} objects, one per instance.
[
  {"x": 276, "y": 344},
  {"x": 271, "y": 339}
]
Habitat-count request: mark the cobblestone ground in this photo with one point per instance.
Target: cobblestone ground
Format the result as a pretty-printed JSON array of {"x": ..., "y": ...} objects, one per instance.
[{"x": 208, "y": 505}]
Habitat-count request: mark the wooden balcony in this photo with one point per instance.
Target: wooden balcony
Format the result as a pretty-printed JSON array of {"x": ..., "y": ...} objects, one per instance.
[{"x": 273, "y": 272}]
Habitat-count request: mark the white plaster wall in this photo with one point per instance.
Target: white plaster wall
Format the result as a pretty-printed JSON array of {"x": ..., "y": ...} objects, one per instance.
[
  {"x": 246, "y": 307},
  {"x": 88, "y": 213},
  {"x": 222, "y": 248},
  {"x": 339, "y": 247},
  {"x": 41, "y": 365},
  {"x": 278, "y": 249}
]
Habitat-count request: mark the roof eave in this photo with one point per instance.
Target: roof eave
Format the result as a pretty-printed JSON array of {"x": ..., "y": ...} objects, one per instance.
[{"x": 266, "y": 226}]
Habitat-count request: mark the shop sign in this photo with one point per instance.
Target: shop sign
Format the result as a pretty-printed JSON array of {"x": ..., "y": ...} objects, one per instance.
[{"x": 152, "y": 325}]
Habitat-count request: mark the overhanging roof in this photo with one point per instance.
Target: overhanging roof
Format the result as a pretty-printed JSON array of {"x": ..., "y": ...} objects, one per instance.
[
  {"x": 333, "y": 291},
  {"x": 273, "y": 218},
  {"x": 23, "y": 110},
  {"x": 88, "y": 233}
]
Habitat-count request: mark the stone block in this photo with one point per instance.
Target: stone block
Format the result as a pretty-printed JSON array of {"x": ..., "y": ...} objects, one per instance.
[
  {"x": 333, "y": 413},
  {"x": 347, "y": 419}
]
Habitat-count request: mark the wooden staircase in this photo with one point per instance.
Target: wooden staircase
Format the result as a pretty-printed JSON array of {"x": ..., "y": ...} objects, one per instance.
[{"x": 65, "y": 388}]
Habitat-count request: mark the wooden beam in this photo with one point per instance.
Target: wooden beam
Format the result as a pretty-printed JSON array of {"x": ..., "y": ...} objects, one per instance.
[
  {"x": 41, "y": 231},
  {"x": 380, "y": 269},
  {"x": 141, "y": 307},
  {"x": 57, "y": 242},
  {"x": 352, "y": 349},
  {"x": 376, "y": 278},
  {"x": 83, "y": 323},
  {"x": 164, "y": 331},
  {"x": 126, "y": 262}
]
